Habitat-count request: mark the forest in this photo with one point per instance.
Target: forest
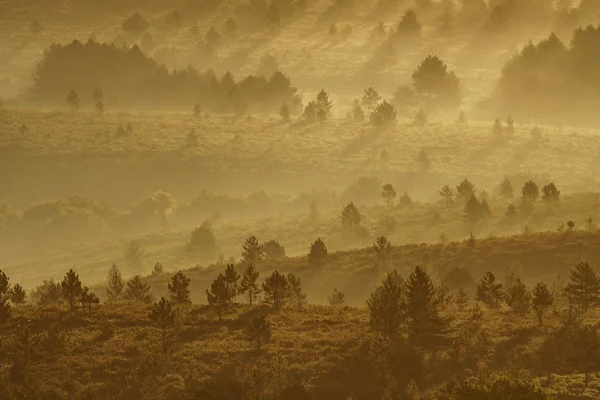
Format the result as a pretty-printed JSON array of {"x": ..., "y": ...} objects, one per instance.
[{"x": 299, "y": 199}]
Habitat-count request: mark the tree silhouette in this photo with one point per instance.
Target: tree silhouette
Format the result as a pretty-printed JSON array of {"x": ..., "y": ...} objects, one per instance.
[
  {"x": 249, "y": 286},
  {"x": 489, "y": 291},
  {"x": 163, "y": 205},
  {"x": 231, "y": 277},
  {"x": 356, "y": 112},
  {"x": 426, "y": 326},
  {"x": 138, "y": 290},
  {"x": 318, "y": 252},
  {"x": 386, "y": 305},
  {"x": 163, "y": 316},
  {"x": 275, "y": 289},
  {"x": 4, "y": 298},
  {"x": 384, "y": 115},
  {"x": 284, "y": 113},
  {"x": 114, "y": 290},
  {"x": 98, "y": 97},
  {"x": 530, "y": 192},
  {"x": 550, "y": 193},
  {"x": 323, "y": 106},
  {"x": 273, "y": 250},
  {"x": 542, "y": 299},
  {"x": 252, "y": 251},
  {"x": 133, "y": 254},
  {"x": 420, "y": 119},
  {"x": 506, "y": 189},
  {"x": 448, "y": 195},
  {"x": 179, "y": 289},
  {"x": 88, "y": 299},
  {"x": 259, "y": 331},
  {"x": 370, "y": 99},
  {"x": 337, "y": 298},
  {"x": 518, "y": 297},
  {"x": 295, "y": 296},
  {"x": 389, "y": 194},
  {"x": 350, "y": 219},
  {"x": 4, "y": 285},
  {"x": 219, "y": 295},
  {"x": 212, "y": 39},
  {"x": 202, "y": 240},
  {"x": 462, "y": 299},
  {"x": 73, "y": 101},
  {"x": 465, "y": 190},
  {"x": 71, "y": 289},
  {"x": 423, "y": 160},
  {"x": 409, "y": 25},
  {"x": 17, "y": 295},
  {"x": 584, "y": 287},
  {"x": 383, "y": 251},
  {"x": 433, "y": 81},
  {"x": 49, "y": 292},
  {"x": 475, "y": 210}
]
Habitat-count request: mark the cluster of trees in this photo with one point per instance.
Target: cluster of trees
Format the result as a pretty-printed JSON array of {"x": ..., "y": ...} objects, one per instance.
[
  {"x": 552, "y": 80},
  {"x": 135, "y": 79}
]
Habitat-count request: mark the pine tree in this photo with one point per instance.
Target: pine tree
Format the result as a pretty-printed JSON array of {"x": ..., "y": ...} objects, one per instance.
[
  {"x": 462, "y": 299},
  {"x": 219, "y": 295},
  {"x": 386, "y": 305},
  {"x": 295, "y": 296},
  {"x": 323, "y": 106},
  {"x": 542, "y": 300},
  {"x": 584, "y": 287},
  {"x": 248, "y": 285},
  {"x": 426, "y": 326},
  {"x": 506, "y": 189},
  {"x": 370, "y": 99},
  {"x": 88, "y": 299},
  {"x": 5, "y": 291},
  {"x": 71, "y": 289},
  {"x": 138, "y": 290},
  {"x": 4, "y": 285},
  {"x": 252, "y": 251},
  {"x": 318, "y": 252},
  {"x": 518, "y": 297},
  {"x": 530, "y": 192},
  {"x": 350, "y": 219},
  {"x": 389, "y": 194},
  {"x": 284, "y": 112},
  {"x": 259, "y": 331},
  {"x": 273, "y": 250},
  {"x": 133, "y": 254},
  {"x": 275, "y": 288},
  {"x": 115, "y": 286},
  {"x": 74, "y": 101},
  {"x": 98, "y": 97},
  {"x": 17, "y": 295},
  {"x": 337, "y": 298},
  {"x": 383, "y": 251},
  {"x": 163, "y": 316},
  {"x": 465, "y": 190},
  {"x": 489, "y": 291},
  {"x": 448, "y": 195},
  {"x": 384, "y": 115},
  {"x": 179, "y": 289},
  {"x": 231, "y": 277}
]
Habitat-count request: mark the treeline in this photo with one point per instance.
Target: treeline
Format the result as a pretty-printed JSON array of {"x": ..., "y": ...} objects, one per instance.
[
  {"x": 127, "y": 77},
  {"x": 552, "y": 80}
]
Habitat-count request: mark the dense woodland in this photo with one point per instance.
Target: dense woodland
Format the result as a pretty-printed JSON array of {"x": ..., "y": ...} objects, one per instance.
[{"x": 299, "y": 199}]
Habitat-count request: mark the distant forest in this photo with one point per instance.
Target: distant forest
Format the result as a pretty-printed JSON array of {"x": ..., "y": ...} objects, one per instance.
[{"x": 127, "y": 77}]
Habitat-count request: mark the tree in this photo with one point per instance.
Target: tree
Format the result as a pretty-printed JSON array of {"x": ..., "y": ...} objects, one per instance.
[
  {"x": 163, "y": 204},
  {"x": 420, "y": 119},
  {"x": 462, "y": 119},
  {"x": 259, "y": 331},
  {"x": 506, "y": 189},
  {"x": 518, "y": 297},
  {"x": 88, "y": 299},
  {"x": 98, "y": 97},
  {"x": 114, "y": 290},
  {"x": 231, "y": 277},
  {"x": 317, "y": 253},
  {"x": 370, "y": 99},
  {"x": 433, "y": 81},
  {"x": 252, "y": 251},
  {"x": 275, "y": 290},
  {"x": 202, "y": 240},
  {"x": 4, "y": 285},
  {"x": 197, "y": 111},
  {"x": 423, "y": 160},
  {"x": 273, "y": 250},
  {"x": 219, "y": 295},
  {"x": 542, "y": 300},
  {"x": 179, "y": 291},
  {"x": 48, "y": 293},
  {"x": 584, "y": 287},
  {"x": 248, "y": 285},
  {"x": 489, "y": 291},
  {"x": 510, "y": 125},
  {"x": 426, "y": 326},
  {"x": 284, "y": 113},
  {"x": 138, "y": 290},
  {"x": 295, "y": 296},
  {"x": 310, "y": 111},
  {"x": 383, "y": 251},
  {"x": 447, "y": 194},
  {"x": 462, "y": 299},
  {"x": 212, "y": 39},
  {"x": 4, "y": 298},
  {"x": 350, "y": 218},
  {"x": 584, "y": 350},
  {"x": 74, "y": 101},
  {"x": 550, "y": 194},
  {"x": 386, "y": 305},
  {"x": 530, "y": 192},
  {"x": 323, "y": 106},
  {"x": 465, "y": 190},
  {"x": 133, "y": 254},
  {"x": 384, "y": 115},
  {"x": 497, "y": 128},
  {"x": 356, "y": 112},
  {"x": 71, "y": 289},
  {"x": 163, "y": 316},
  {"x": 337, "y": 298},
  {"x": 409, "y": 25},
  {"x": 388, "y": 194},
  {"x": 158, "y": 269},
  {"x": 475, "y": 210},
  {"x": 17, "y": 295}
]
